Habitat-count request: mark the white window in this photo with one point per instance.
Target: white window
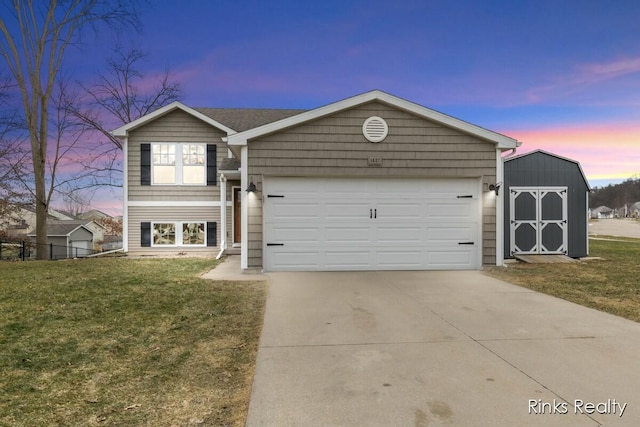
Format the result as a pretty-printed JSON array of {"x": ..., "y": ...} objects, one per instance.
[
  {"x": 189, "y": 233},
  {"x": 179, "y": 164}
]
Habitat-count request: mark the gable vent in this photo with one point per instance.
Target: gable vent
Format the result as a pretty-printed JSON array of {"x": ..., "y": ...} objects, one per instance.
[{"x": 375, "y": 129}]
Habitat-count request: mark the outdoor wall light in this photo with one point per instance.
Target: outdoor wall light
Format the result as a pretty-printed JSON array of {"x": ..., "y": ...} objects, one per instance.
[
  {"x": 251, "y": 188},
  {"x": 495, "y": 187}
]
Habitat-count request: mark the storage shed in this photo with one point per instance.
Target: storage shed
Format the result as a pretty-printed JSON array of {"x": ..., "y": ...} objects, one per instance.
[{"x": 546, "y": 206}]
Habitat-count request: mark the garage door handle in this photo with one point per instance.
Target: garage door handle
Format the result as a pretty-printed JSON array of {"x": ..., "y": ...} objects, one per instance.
[
  {"x": 370, "y": 213},
  {"x": 375, "y": 213},
  {"x": 466, "y": 243},
  {"x": 275, "y": 244}
]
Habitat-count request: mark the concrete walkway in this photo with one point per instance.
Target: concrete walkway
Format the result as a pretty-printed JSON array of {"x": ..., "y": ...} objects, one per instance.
[
  {"x": 229, "y": 270},
  {"x": 438, "y": 349}
]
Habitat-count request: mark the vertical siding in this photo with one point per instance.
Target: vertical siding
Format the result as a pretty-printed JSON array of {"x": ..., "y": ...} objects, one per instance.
[
  {"x": 335, "y": 146},
  {"x": 543, "y": 170},
  {"x": 176, "y": 126}
]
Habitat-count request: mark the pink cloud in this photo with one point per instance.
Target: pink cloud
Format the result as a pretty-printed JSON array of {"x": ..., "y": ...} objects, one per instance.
[
  {"x": 583, "y": 77},
  {"x": 605, "y": 151}
]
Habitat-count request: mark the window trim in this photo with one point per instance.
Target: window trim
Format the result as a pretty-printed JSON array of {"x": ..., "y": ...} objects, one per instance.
[
  {"x": 179, "y": 177},
  {"x": 178, "y": 234}
]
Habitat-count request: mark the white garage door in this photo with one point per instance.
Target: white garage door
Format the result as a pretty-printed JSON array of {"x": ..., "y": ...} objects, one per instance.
[{"x": 321, "y": 224}]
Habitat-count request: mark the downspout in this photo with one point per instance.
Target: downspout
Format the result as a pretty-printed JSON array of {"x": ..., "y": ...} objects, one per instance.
[
  {"x": 244, "y": 182},
  {"x": 500, "y": 209},
  {"x": 223, "y": 215},
  {"x": 125, "y": 195},
  {"x": 511, "y": 154}
]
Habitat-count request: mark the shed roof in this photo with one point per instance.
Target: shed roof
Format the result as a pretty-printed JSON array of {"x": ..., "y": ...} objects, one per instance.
[{"x": 546, "y": 153}]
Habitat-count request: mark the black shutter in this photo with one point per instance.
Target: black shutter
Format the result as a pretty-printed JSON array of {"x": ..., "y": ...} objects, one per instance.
[
  {"x": 145, "y": 234},
  {"x": 145, "y": 164},
  {"x": 212, "y": 234},
  {"x": 212, "y": 167}
]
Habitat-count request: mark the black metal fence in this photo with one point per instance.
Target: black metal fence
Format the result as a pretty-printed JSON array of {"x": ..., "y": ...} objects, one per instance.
[{"x": 25, "y": 250}]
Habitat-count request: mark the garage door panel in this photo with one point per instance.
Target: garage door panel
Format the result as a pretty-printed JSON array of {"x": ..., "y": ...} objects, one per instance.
[
  {"x": 300, "y": 234},
  {"x": 294, "y": 260},
  {"x": 404, "y": 211},
  {"x": 399, "y": 235},
  {"x": 370, "y": 224},
  {"x": 354, "y": 234},
  {"x": 450, "y": 259},
  {"x": 399, "y": 259},
  {"x": 450, "y": 210},
  {"x": 355, "y": 259},
  {"x": 292, "y": 211},
  {"x": 347, "y": 210},
  {"x": 450, "y": 233}
]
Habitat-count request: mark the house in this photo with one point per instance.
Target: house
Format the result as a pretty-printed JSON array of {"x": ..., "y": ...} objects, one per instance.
[
  {"x": 634, "y": 210},
  {"x": 546, "y": 205},
  {"x": 371, "y": 182},
  {"x": 68, "y": 239},
  {"x": 602, "y": 212}
]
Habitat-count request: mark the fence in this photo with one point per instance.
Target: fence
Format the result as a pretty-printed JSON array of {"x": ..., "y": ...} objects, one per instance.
[{"x": 27, "y": 250}]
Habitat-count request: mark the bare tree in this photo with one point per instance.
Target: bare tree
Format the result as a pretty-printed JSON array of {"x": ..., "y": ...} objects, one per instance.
[
  {"x": 117, "y": 98},
  {"x": 36, "y": 36}
]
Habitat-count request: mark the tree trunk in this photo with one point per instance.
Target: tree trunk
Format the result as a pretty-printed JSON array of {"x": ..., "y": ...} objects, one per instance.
[{"x": 42, "y": 210}]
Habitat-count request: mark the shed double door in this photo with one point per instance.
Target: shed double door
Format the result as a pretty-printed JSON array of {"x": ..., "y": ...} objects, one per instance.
[{"x": 538, "y": 220}]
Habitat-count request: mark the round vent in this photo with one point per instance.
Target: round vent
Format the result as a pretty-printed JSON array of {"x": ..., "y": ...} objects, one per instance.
[{"x": 375, "y": 129}]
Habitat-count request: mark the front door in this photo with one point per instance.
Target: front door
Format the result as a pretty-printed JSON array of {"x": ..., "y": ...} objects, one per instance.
[
  {"x": 538, "y": 220},
  {"x": 237, "y": 233}
]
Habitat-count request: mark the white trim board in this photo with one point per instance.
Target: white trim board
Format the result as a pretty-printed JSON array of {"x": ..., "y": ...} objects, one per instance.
[
  {"x": 123, "y": 131},
  {"x": 172, "y": 203}
]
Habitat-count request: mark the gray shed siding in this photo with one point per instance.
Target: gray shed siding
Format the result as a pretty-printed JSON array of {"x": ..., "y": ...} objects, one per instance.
[
  {"x": 540, "y": 169},
  {"x": 177, "y": 127},
  {"x": 335, "y": 146}
]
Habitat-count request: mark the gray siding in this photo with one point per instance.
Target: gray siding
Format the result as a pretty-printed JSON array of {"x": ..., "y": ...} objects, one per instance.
[
  {"x": 81, "y": 234},
  {"x": 543, "y": 170},
  {"x": 176, "y": 126},
  {"x": 335, "y": 146},
  {"x": 137, "y": 215}
]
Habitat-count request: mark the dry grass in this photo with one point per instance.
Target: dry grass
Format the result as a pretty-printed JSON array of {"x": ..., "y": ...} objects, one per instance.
[
  {"x": 609, "y": 284},
  {"x": 110, "y": 342}
]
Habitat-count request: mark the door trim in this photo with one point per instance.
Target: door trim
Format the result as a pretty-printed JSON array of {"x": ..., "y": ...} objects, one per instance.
[
  {"x": 539, "y": 223},
  {"x": 236, "y": 196}
]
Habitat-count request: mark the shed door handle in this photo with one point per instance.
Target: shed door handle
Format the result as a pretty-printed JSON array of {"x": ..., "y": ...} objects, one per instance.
[
  {"x": 466, "y": 243},
  {"x": 375, "y": 213},
  {"x": 370, "y": 213}
]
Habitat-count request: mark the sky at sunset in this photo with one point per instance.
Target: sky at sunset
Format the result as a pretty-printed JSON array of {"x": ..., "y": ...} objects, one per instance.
[{"x": 563, "y": 76}]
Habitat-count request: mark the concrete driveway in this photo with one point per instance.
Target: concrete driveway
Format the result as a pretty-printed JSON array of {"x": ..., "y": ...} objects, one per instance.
[{"x": 438, "y": 349}]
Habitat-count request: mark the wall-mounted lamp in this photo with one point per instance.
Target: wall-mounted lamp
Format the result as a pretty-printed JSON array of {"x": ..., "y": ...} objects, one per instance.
[
  {"x": 251, "y": 188},
  {"x": 495, "y": 187}
]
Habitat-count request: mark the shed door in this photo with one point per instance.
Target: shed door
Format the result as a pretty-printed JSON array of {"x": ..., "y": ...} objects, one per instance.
[
  {"x": 327, "y": 224},
  {"x": 538, "y": 220}
]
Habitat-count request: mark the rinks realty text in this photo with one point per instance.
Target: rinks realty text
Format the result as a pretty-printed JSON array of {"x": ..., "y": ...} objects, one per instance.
[{"x": 610, "y": 407}]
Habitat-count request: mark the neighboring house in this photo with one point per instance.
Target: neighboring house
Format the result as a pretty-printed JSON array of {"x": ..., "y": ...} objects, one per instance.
[
  {"x": 372, "y": 182},
  {"x": 68, "y": 239},
  {"x": 634, "y": 210},
  {"x": 94, "y": 215},
  {"x": 61, "y": 215},
  {"x": 546, "y": 201},
  {"x": 602, "y": 212}
]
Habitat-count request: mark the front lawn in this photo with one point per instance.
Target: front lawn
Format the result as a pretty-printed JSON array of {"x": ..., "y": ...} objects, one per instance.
[
  {"x": 611, "y": 284},
  {"x": 125, "y": 342}
]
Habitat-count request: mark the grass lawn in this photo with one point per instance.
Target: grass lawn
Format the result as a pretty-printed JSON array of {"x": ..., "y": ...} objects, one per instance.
[
  {"x": 611, "y": 284},
  {"x": 125, "y": 342}
]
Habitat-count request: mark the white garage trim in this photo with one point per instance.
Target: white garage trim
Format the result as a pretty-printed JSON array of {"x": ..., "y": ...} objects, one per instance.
[{"x": 327, "y": 224}]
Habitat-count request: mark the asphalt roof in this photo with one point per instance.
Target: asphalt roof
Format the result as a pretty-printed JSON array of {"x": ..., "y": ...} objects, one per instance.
[{"x": 241, "y": 119}]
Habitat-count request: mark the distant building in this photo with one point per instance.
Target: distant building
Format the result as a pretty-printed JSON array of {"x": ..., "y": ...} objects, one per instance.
[{"x": 602, "y": 212}]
